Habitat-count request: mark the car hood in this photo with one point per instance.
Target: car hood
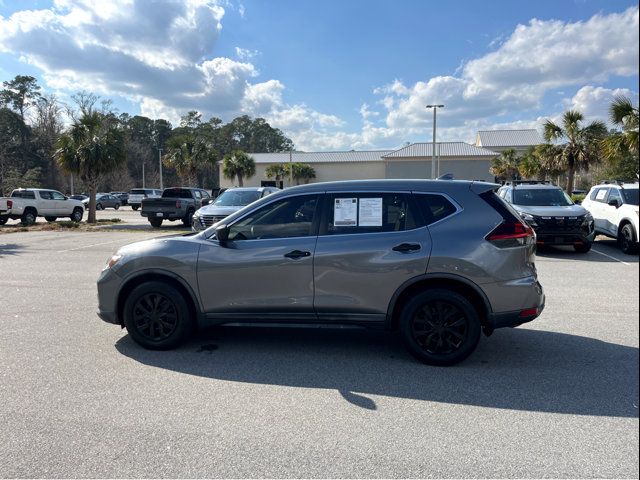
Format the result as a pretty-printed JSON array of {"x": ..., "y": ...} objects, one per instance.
[
  {"x": 566, "y": 211},
  {"x": 219, "y": 211}
]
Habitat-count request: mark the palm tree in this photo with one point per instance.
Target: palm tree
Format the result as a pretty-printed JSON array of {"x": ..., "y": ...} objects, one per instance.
[
  {"x": 505, "y": 166},
  {"x": 624, "y": 115},
  {"x": 189, "y": 154},
  {"x": 581, "y": 143},
  {"x": 302, "y": 171},
  {"x": 238, "y": 165},
  {"x": 278, "y": 171},
  {"x": 93, "y": 146}
]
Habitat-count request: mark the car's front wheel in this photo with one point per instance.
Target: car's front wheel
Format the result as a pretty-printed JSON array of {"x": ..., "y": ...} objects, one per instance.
[
  {"x": 627, "y": 239},
  {"x": 440, "y": 327},
  {"x": 157, "y": 316},
  {"x": 116, "y": 206},
  {"x": 76, "y": 216},
  {"x": 135, "y": 207}
]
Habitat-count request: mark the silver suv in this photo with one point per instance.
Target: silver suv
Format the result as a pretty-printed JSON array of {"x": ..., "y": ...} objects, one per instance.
[{"x": 440, "y": 261}]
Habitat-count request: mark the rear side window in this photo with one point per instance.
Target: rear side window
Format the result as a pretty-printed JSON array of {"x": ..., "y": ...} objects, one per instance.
[
  {"x": 370, "y": 212},
  {"x": 23, "y": 194},
  {"x": 434, "y": 207}
]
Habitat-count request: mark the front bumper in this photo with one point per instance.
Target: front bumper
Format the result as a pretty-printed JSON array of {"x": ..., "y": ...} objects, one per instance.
[{"x": 108, "y": 286}]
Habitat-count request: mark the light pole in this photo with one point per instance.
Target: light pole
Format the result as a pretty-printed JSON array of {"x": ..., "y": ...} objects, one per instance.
[
  {"x": 160, "y": 167},
  {"x": 433, "y": 150}
]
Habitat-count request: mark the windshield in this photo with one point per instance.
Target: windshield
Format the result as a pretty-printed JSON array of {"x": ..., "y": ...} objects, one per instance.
[
  {"x": 548, "y": 197},
  {"x": 631, "y": 196},
  {"x": 237, "y": 198}
]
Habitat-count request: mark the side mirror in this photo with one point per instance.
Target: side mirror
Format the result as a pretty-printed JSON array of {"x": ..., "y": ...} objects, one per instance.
[
  {"x": 614, "y": 202},
  {"x": 222, "y": 233}
]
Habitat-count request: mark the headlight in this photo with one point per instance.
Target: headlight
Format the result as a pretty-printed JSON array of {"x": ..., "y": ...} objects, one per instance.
[
  {"x": 530, "y": 219},
  {"x": 112, "y": 261}
]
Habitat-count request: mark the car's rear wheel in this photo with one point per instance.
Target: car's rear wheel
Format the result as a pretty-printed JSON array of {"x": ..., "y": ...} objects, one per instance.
[
  {"x": 627, "y": 239},
  {"x": 98, "y": 206},
  {"x": 155, "y": 222},
  {"x": 440, "y": 327},
  {"x": 3, "y": 220},
  {"x": 50, "y": 219},
  {"x": 157, "y": 316},
  {"x": 76, "y": 216},
  {"x": 135, "y": 207},
  {"x": 582, "y": 247},
  {"x": 28, "y": 217},
  {"x": 116, "y": 206},
  {"x": 187, "y": 221}
]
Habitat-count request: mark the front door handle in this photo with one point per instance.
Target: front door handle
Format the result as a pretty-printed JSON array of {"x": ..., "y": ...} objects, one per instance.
[
  {"x": 297, "y": 254},
  {"x": 406, "y": 247}
]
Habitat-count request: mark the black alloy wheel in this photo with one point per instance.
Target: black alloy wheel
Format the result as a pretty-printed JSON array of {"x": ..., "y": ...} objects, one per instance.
[
  {"x": 626, "y": 239},
  {"x": 155, "y": 317}
]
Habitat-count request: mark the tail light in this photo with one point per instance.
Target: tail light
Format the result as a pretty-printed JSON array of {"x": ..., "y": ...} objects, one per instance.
[
  {"x": 511, "y": 233},
  {"x": 9, "y": 204}
]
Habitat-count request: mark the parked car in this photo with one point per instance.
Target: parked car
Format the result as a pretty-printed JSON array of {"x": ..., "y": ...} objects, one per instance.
[
  {"x": 26, "y": 204},
  {"x": 136, "y": 196},
  {"x": 106, "y": 200},
  {"x": 82, "y": 198},
  {"x": 228, "y": 202},
  {"x": 123, "y": 196},
  {"x": 614, "y": 207},
  {"x": 176, "y": 203},
  {"x": 552, "y": 214},
  {"x": 438, "y": 261}
]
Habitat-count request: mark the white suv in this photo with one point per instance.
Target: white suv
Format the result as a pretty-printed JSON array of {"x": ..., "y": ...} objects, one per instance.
[{"x": 614, "y": 207}]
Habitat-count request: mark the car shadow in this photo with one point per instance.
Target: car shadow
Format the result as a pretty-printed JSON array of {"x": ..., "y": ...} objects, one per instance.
[
  {"x": 517, "y": 369},
  {"x": 10, "y": 249},
  {"x": 145, "y": 228},
  {"x": 601, "y": 251}
]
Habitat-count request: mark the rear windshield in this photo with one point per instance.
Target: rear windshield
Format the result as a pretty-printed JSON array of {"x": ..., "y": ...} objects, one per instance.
[
  {"x": 547, "y": 197},
  {"x": 138, "y": 191},
  {"x": 630, "y": 196},
  {"x": 177, "y": 193},
  {"x": 22, "y": 194},
  {"x": 237, "y": 198}
]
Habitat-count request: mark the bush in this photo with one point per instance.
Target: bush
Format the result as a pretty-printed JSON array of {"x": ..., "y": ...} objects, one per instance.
[{"x": 577, "y": 198}]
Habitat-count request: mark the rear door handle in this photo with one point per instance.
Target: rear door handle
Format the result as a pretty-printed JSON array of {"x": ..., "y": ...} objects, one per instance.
[
  {"x": 297, "y": 254},
  {"x": 406, "y": 247}
]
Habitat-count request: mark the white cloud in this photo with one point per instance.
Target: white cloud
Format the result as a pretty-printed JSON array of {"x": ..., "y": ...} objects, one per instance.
[
  {"x": 246, "y": 54},
  {"x": 594, "y": 102}
]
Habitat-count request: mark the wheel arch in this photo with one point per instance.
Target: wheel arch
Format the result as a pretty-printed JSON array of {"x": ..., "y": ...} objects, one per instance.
[
  {"x": 627, "y": 221},
  {"x": 157, "y": 276},
  {"x": 463, "y": 286}
]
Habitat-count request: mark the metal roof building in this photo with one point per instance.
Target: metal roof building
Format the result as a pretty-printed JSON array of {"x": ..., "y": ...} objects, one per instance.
[{"x": 500, "y": 140}]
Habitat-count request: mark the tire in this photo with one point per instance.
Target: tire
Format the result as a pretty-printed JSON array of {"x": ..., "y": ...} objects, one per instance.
[
  {"x": 135, "y": 207},
  {"x": 3, "y": 220},
  {"x": 116, "y": 206},
  {"x": 28, "y": 218},
  {"x": 98, "y": 206},
  {"x": 50, "y": 219},
  {"x": 435, "y": 317},
  {"x": 582, "y": 248},
  {"x": 157, "y": 316},
  {"x": 76, "y": 216},
  {"x": 155, "y": 222},
  {"x": 187, "y": 221},
  {"x": 627, "y": 239}
]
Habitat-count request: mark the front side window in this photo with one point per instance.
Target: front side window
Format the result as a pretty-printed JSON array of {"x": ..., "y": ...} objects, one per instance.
[
  {"x": 350, "y": 213},
  {"x": 45, "y": 195},
  {"x": 614, "y": 194},
  {"x": 286, "y": 218},
  {"x": 57, "y": 196}
]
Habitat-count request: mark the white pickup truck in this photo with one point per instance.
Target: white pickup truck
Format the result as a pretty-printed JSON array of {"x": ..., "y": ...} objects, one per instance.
[{"x": 26, "y": 204}]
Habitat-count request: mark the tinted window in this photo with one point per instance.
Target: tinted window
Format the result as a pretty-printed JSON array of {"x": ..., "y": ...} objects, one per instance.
[
  {"x": 369, "y": 213},
  {"x": 23, "y": 194},
  {"x": 176, "y": 193},
  {"x": 614, "y": 194},
  {"x": 45, "y": 195},
  {"x": 630, "y": 196},
  {"x": 547, "y": 197},
  {"x": 137, "y": 191},
  {"x": 290, "y": 217},
  {"x": 434, "y": 207},
  {"x": 237, "y": 198}
]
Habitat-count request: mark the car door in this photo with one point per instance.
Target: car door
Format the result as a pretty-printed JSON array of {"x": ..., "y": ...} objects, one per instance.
[
  {"x": 369, "y": 244},
  {"x": 265, "y": 268},
  {"x": 47, "y": 205},
  {"x": 62, "y": 206},
  {"x": 612, "y": 214},
  {"x": 597, "y": 208}
]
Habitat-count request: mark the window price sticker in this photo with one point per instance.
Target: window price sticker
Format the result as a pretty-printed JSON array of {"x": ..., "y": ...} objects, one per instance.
[
  {"x": 370, "y": 214},
  {"x": 345, "y": 212}
]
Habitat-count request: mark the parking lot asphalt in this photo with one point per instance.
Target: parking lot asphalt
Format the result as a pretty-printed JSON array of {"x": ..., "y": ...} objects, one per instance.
[{"x": 555, "y": 398}]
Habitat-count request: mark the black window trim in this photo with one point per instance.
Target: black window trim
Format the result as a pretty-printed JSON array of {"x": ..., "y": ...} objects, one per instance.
[{"x": 448, "y": 197}]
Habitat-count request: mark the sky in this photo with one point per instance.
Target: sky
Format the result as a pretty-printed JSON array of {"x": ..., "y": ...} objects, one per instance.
[{"x": 333, "y": 75}]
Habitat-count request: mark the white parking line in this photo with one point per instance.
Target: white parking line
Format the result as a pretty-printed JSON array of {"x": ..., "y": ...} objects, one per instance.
[
  {"x": 96, "y": 244},
  {"x": 609, "y": 256}
]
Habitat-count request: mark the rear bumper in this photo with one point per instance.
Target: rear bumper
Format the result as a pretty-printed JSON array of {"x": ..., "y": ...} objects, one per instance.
[{"x": 526, "y": 312}]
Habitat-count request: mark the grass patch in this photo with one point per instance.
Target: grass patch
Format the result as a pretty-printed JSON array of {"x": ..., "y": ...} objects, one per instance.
[
  {"x": 109, "y": 220},
  {"x": 58, "y": 225}
]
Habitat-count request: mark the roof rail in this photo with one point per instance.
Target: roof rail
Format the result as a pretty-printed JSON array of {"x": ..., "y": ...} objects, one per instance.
[
  {"x": 615, "y": 182},
  {"x": 529, "y": 182}
]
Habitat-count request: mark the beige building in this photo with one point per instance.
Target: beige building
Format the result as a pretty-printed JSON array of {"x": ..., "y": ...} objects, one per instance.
[{"x": 461, "y": 159}]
